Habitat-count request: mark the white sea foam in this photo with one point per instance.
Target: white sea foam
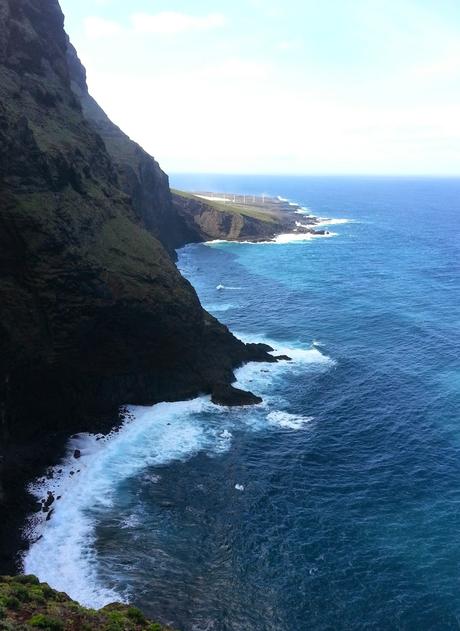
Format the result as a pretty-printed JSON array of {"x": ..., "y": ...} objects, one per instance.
[
  {"x": 281, "y": 239},
  {"x": 259, "y": 377},
  {"x": 216, "y": 241},
  {"x": 222, "y": 441},
  {"x": 215, "y": 308},
  {"x": 288, "y": 421},
  {"x": 64, "y": 555},
  {"x": 317, "y": 343},
  {"x": 130, "y": 522},
  {"x": 293, "y": 237},
  {"x": 323, "y": 221},
  {"x": 288, "y": 237},
  {"x": 299, "y": 224},
  {"x": 153, "y": 478},
  {"x": 64, "y": 552},
  {"x": 239, "y": 487}
]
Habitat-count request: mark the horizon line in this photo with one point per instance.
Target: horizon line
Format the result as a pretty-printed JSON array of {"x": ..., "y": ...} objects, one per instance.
[{"x": 361, "y": 175}]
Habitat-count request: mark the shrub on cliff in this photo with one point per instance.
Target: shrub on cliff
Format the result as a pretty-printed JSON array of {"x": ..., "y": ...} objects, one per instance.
[{"x": 27, "y": 604}]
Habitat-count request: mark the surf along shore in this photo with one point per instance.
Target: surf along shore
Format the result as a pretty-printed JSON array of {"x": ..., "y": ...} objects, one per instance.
[
  {"x": 246, "y": 218},
  {"x": 260, "y": 219}
]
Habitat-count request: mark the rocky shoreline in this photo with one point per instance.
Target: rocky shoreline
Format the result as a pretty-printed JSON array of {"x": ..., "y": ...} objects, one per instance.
[
  {"x": 212, "y": 216},
  {"x": 94, "y": 312},
  {"x": 30, "y": 461}
]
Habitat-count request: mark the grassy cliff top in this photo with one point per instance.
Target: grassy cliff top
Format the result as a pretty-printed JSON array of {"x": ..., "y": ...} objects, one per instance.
[
  {"x": 26, "y": 604},
  {"x": 254, "y": 210}
]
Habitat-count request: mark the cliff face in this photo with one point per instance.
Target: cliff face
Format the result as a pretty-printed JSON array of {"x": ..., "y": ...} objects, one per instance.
[
  {"x": 205, "y": 221},
  {"x": 93, "y": 312},
  {"x": 175, "y": 219},
  {"x": 139, "y": 175}
]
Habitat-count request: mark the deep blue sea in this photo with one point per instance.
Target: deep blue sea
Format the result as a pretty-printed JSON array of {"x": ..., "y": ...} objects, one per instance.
[{"x": 336, "y": 503}]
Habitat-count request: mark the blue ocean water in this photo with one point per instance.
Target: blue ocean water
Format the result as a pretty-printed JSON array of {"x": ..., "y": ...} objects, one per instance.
[{"x": 335, "y": 504}]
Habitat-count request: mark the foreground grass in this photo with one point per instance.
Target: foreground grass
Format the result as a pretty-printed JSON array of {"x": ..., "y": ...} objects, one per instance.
[{"x": 27, "y": 605}]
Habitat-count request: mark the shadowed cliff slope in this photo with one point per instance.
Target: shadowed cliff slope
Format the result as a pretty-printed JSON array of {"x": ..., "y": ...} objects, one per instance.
[
  {"x": 139, "y": 175},
  {"x": 174, "y": 218},
  {"x": 93, "y": 312}
]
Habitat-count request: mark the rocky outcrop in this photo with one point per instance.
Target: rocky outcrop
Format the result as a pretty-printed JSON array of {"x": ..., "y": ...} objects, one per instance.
[
  {"x": 93, "y": 312},
  {"x": 227, "y": 395},
  {"x": 205, "y": 221}
]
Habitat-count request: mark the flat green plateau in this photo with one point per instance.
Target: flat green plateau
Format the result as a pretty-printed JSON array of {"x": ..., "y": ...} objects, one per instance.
[{"x": 267, "y": 209}]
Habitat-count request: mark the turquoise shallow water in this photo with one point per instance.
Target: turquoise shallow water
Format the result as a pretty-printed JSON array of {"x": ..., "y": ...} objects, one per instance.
[{"x": 336, "y": 505}]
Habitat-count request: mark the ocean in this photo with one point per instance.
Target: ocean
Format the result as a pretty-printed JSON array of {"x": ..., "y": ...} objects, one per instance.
[{"x": 336, "y": 503}]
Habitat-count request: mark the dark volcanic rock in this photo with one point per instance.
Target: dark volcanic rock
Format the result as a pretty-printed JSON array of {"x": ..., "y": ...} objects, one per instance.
[
  {"x": 49, "y": 500},
  {"x": 225, "y": 394},
  {"x": 260, "y": 352},
  {"x": 93, "y": 311},
  {"x": 77, "y": 453}
]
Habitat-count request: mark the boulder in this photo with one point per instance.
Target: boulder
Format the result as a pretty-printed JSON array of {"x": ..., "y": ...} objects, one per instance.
[
  {"x": 260, "y": 352},
  {"x": 224, "y": 394}
]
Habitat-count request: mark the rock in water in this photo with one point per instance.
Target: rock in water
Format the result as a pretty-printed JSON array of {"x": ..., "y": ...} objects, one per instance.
[
  {"x": 49, "y": 500},
  {"x": 224, "y": 394}
]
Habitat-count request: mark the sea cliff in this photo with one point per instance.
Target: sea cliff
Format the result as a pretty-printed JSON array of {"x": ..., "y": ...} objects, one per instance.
[{"x": 93, "y": 311}]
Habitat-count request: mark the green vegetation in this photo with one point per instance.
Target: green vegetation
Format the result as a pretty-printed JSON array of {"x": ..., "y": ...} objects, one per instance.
[
  {"x": 27, "y": 604},
  {"x": 253, "y": 210}
]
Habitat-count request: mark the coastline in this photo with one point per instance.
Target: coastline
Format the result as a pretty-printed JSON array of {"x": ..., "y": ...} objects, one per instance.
[
  {"x": 245, "y": 218},
  {"x": 62, "y": 558},
  {"x": 27, "y": 505},
  {"x": 57, "y": 477}
]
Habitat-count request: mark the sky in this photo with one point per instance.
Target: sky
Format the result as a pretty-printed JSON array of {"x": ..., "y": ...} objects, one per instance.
[{"x": 279, "y": 86}]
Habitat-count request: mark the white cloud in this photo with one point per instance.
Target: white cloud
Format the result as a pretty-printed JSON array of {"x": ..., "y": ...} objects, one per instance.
[
  {"x": 96, "y": 27},
  {"x": 234, "y": 68},
  {"x": 266, "y": 111},
  {"x": 253, "y": 126},
  {"x": 288, "y": 45},
  {"x": 170, "y": 22},
  {"x": 444, "y": 67}
]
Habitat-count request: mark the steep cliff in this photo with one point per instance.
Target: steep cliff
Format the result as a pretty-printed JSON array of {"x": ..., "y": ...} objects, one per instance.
[
  {"x": 93, "y": 312},
  {"x": 205, "y": 220},
  {"x": 177, "y": 218},
  {"x": 139, "y": 175}
]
